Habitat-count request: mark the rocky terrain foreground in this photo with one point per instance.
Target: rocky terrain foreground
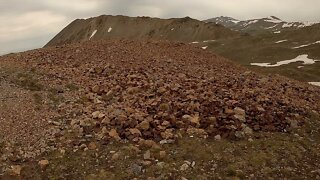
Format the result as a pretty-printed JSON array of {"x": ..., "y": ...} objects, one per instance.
[{"x": 152, "y": 110}]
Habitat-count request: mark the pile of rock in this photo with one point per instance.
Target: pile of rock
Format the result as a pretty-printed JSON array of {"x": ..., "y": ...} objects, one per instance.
[{"x": 136, "y": 97}]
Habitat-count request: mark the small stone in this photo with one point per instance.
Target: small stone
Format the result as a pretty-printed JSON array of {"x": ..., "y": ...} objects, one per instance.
[
  {"x": 217, "y": 137},
  {"x": 261, "y": 109},
  {"x": 113, "y": 133},
  {"x": 212, "y": 119},
  {"x": 144, "y": 125},
  {"x": 133, "y": 90},
  {"x": 293, "y": 124},
  {"x": 248, "y": 131},
  {"x": 195, "y": 119},
  {"x": 136, "y": 169},
  {"x": 167, "y": 134},
  {"x": 95, "y": 89},
  {"x": 240, "y": 114},
  {"x": 166, "y": 141},
  {"x": 146, "y": 163},
  {"x": 184, "y": 167},
  {"x": 101, "y": 115},
  {"x": 104, "y": 130},
  {"x": 105, "y": 121},
  {"x": 186, "y": 117},
  {"x": 135, "y": 131},
  {"x": 92, "y": 146},
  {"x": 146, "y": 143},
  {"x": 164, "y": 107},
  {"x": 161, "y": 90},
  {"x": 162, "y": 154},
  {"x": 16, "y": 170},
  {"x": 239, "y": 134},
  {"x": 43, "y": 163},
  {"x": 115, "y": 156},
  {"x": 147, "y": 155},
  {"x": 95, "y": 114},
  {"x": 62, "y": 151},
  {"x": 98, "y": 115},
  {"x": 228, "y": 111}
]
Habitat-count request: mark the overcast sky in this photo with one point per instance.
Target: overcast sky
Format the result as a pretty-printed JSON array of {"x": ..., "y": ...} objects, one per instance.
[{"x": 28, "y": 24}]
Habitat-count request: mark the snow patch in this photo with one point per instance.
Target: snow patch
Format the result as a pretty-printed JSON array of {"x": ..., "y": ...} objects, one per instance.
[
  {"x": 302, "y": 58},
  {"x": 277, "y": 32},
  {"x": 271, "y": 27},
  {"x": 305, "y": 45},
  {"x": 172, "y": 29},
  {"x": 110, "y": 29},
  {"x": 205, "y": 47},
  {"x": 93, "y": 33},
  {"x": 286, "y": 25},
  {"x": 281, "y": 41},
  {"x": 273, "y": 20},
  {"x": 250, "y": 22},
  {"x": 195, "y": 42},
  {"x": 305, "y": 24},
  {"x": 314, "y": 83},
  {"x": 209, "y": 41},
  {"x": 235, "y": 21}
]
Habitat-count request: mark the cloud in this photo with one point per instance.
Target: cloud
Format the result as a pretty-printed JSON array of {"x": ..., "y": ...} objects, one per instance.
[{"x": 27, "y": 24}]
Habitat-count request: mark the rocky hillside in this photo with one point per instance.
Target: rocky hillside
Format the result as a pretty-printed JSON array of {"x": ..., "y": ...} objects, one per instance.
[
  {"x": 110, "y": 27},
  {"x": 267, "y": 40},
  {"x": 97, "y": 109},
  {"x": 270, "y": 24}
]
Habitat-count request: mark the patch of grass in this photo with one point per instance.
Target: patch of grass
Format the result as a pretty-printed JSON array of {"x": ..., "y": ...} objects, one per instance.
[
  {"x": 72, "y": 87},
  {"x": 27, "y": 81},
  {"x": 54, "y": 96},
  {"x": 231, "y": 172},
  {"x": 258, "y": 159}
]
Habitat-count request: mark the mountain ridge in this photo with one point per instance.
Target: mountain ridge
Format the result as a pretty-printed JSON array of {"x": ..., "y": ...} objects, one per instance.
[
  {"x": 271, "y": 24},
  {"x": 108, "y": 27}
]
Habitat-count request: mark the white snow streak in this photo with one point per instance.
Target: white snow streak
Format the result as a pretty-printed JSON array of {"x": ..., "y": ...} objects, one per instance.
[
  {"x": 281, "y": 41},
  {"x": 93, "y": 33},
  {"x": 305, "y": 45},
  {"x": 209, "y": 41},
  {"x": 302, "y": 58}
]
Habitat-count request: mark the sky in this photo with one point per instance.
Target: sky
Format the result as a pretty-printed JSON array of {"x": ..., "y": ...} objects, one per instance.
[{"x": 29, "y": 24}]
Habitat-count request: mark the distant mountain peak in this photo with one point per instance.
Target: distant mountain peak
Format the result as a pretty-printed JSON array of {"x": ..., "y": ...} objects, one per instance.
[{"x": 270, "y": 24}]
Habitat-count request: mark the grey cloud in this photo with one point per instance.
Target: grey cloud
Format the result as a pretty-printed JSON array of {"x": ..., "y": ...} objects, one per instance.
[{"x": 30, "y": 24}]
